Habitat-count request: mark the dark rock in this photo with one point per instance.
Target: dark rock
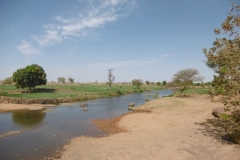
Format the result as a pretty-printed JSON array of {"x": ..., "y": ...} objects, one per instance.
[{"x": 131, "y": 104}]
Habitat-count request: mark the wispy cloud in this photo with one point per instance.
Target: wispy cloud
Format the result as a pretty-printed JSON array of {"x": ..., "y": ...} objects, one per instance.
[
  {"x": 98, "y": 14},
  {"x": 27, "y": 48},
  {"x": 120, "y": 64}
]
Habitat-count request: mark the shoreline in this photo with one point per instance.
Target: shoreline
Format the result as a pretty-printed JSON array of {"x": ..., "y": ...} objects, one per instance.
[
  {"x": 13, "y": 107},
  {"x": 177, "y": 128}
]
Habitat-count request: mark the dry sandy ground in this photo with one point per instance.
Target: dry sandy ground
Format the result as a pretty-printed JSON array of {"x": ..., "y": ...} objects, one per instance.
[
  {"x": 176, "y": 129},
  {"x": 11, "y": 107}
]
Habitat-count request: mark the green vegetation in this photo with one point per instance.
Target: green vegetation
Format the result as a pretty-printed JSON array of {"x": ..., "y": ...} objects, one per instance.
[
  {"x": 164, "y": 83},
  {"x": 73, "y": 91},
  {"x": 170, "y": 95},
  {"x": 71, "y": 80},
  {"x": 30, "y": 76},
  {"x": 196, "y": 91},
  {"x": 184, "y": 78},
  {"x": 224, "y": 58},
  {"x": 137, "y": 82},
  {"x": 147, "y": 82},
  {"x": 7, "y": 80}
]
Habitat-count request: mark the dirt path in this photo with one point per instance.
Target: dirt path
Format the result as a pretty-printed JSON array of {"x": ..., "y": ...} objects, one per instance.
[{"x": 177, "y": 128}]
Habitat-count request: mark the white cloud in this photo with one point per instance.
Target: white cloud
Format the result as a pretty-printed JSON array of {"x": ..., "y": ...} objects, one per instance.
[
  {"x": 98, "y": 14},
  {"x": 27, "y": 48},
  {"x": 51, "y": 37}
]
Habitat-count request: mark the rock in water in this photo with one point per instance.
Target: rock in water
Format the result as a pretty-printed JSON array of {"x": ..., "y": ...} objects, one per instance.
[
  {"x": 85, "y": 109},
  {"x": 131, "y": 104}
]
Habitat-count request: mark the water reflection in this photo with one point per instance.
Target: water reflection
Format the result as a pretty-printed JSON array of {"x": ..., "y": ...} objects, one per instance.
[
  {"x": 50, "y": 130},
  {"x": 28, "y": 118}
]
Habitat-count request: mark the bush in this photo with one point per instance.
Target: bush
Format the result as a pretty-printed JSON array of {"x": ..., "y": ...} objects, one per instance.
[
  {"x": 8, "y": 80},
  {"x": 119, "y": 92}
]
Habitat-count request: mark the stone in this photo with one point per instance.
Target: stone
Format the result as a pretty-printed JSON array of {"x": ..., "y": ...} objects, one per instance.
[
  {"x": 218, "y": 112},
  {"x": 83, "y": 104},
  {"x": 131, "y": 104},
  {"x": 85, "y": 109}
]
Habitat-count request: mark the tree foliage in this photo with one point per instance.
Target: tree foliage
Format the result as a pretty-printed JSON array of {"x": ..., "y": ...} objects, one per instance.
[
  {"x": 30, "y": 76},
  {"x": 137, "y": 82},
  {"x": 111, "y": 78},
  {"x": 71, "y": 80},
  {"x": 7, "y": 80},
  {"x": 224, "y": 59},
  {"x": 61, "y": 80},
  {"x": 164, "y": 83},
  {"x": 159, "y": 83},
  {"x": 147, "y": 82},
  {"x": 184, "y": 78}
]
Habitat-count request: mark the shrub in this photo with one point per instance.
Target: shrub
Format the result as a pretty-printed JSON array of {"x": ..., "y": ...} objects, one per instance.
[{"x": 8, "y": 80}]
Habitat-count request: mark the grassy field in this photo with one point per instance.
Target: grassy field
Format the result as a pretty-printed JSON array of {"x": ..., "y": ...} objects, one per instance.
[{"x": 75, "y": 92}]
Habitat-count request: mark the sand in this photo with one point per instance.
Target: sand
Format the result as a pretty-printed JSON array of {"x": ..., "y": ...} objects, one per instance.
[
  {"x": 176, "y": 128},
  {"x": 12, "y": 107}
]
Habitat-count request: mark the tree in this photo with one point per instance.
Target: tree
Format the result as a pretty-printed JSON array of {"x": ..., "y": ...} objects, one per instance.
[
  {"x": 137, "y": 82},
  {"x": 71, "y": 80},
  {"x": 61, "y": 80},
  {"x": 184, "y": 78},
  {"x": 159, "y": 83},
  {"x": 7, "y": 80},
  {"x": 111, "y": 78},
  {"x": 164, "y": 83},
  {"x": 224, "y": 59},
  {"x": 147, "y": 82},
  {"x": 30, "y": 76}
]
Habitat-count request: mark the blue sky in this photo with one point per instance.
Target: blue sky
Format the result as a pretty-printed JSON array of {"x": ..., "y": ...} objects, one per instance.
[{"x": 139, "y": 39}]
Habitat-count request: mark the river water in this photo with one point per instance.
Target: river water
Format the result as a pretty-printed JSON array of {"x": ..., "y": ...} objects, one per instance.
[{"x": 46, "y": 131}]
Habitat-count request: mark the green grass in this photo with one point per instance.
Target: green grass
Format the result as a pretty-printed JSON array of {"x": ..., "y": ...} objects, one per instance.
[
  {"x": 196, "y": 91},
  {"x": 76, "y": 92}
]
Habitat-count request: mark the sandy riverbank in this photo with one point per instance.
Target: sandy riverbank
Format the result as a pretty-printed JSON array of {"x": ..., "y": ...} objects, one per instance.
[
  {"x": 177, "y": 128},
  {"x": 12, "y": 107}
]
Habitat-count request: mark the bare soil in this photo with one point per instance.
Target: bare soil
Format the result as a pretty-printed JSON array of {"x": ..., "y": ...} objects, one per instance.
[
  {"x": 176, "y": 128},
  {"x": 12, "y": 107}
]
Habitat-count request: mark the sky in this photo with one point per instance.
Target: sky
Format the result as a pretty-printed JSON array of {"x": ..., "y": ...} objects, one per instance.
[{"x": 140, "y": 39}]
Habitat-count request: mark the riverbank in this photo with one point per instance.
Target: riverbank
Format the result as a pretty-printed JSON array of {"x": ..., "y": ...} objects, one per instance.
[
  {"x": 176, "y": 128},
  {"x": 12, "y": 107},
  {"x": 57, "y": 93}
]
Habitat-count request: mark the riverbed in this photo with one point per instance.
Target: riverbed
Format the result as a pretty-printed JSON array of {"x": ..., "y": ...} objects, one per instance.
[{"x": 41, "y": 133}]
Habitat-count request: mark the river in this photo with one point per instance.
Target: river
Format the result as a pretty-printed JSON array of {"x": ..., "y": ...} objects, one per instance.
[{"x": 44, "y": 132}]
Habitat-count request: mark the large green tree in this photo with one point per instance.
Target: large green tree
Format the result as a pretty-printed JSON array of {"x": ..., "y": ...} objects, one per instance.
[
  {"x": 224, "y": 59},
  {"x": 30, "y": 76}
]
